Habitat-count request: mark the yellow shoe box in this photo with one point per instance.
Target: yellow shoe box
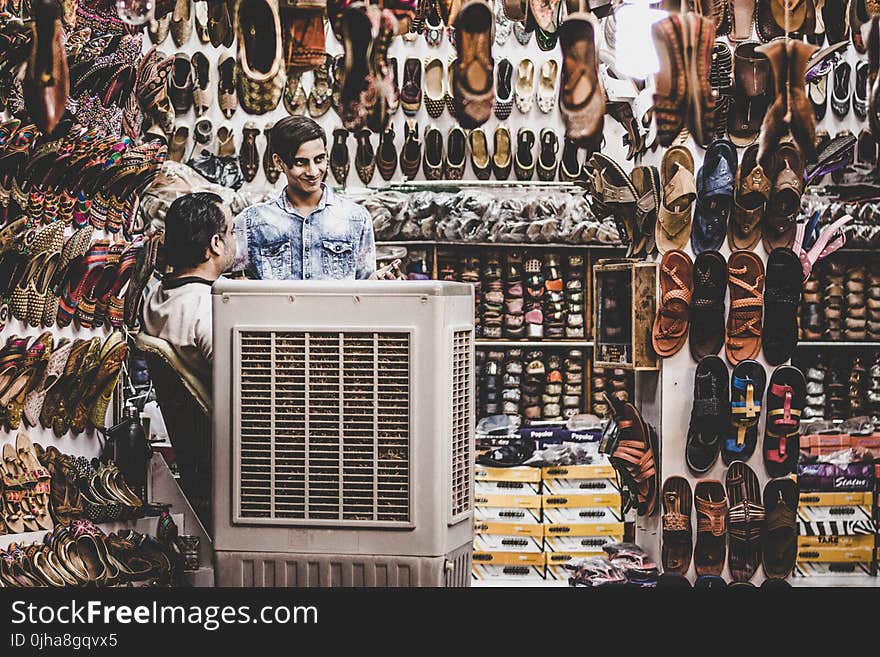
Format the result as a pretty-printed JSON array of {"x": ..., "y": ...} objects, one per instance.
[
  {"x": 579, "y": 500},
  {"x": 519, "y": 516},
  {"x": 835, "y": 499},
  {"x": 491, "y": 487},
  {"x": 858, "y": 541},
  {"x": 578, "y": 472},
  {"x": 583, "y": 529},
  {"x": 836, "y": 554},
  {"x": 517, "y": 473},
  {"x": 507, "y": 565},
  {"x": 508, "y": 501},
  {"x": 508, "y": 537},
  {"x": 556, "y": 563},
  {"x": 572, "y": 543},
  {"x": 580, "y": 486},
  {"x": 812, "y": 569},
  {"x": 582, "y": 515}
]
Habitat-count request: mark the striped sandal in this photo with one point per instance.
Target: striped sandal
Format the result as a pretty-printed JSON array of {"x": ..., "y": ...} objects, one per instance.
[
  {"x": 710, "y": 551},
  {"x": 87, "y": 312},
  {"x": 785, "y": 401},
  {"x": 83, "y": 277},
  {"x": 632, "y": 445},
  {"x": 745, "y": 518}
]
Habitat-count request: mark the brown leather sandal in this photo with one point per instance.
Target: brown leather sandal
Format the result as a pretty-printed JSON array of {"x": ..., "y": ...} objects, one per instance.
[
  {"x": 677, "y": 532},
  {"x": 673, "y": 317},
  {"x": 711, "y": 549},
  {"x": 633, "y": 454},
  {"x": 673, "y": 230},
  {"x": 745, "y": 274},
  {"x": 751, "y": 194},
  {"x": 746, "y": 516},
  {"x": 670, "y": 95},
  {"x": 780, "y": 527}
]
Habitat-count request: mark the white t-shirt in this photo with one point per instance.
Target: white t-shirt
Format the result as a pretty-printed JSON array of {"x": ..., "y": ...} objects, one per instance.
[{"x": 178, "y": 310}]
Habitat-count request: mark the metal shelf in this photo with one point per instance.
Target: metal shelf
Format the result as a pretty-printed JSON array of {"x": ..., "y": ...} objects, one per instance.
[
  {"x": 864, "y": 344},
  {"x": 488, "y": 342},
  {"x": 508, "y": 245}
]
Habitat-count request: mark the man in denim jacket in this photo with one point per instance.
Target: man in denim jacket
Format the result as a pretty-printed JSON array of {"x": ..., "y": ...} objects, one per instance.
[{"x": 307, "y": 232}]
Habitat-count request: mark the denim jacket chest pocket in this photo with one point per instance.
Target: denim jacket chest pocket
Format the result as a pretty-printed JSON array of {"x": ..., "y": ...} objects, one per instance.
[
  {"x": 337, "y": 258},
  {"x": 275, "y": 260}
]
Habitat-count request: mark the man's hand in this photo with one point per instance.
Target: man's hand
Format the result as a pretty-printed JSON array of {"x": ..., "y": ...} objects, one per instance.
[{"x": 389, "y": 272}]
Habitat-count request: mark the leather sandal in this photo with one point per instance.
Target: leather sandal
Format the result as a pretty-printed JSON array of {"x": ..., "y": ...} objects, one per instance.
[
  {"x": 632, "y": 449},
  {"x": 679, "y": 192},
  {"x": 746, "y": 519},
  {"x": 710, "y": 415},
  {"x": 786, "y": 398},
  {"x": 673, "y": 317},
  {"x": 780, "y": 530},
  {"x": 710, "y": 551},
  {"x": 746, "y": 282},
  {"x": 782, "y": 293},
  {"x": 783, "y": 206},
  {"x": 581, "y": 100},
  {"x": 676, "y": 522},
  {"x": 671, "y": 90},
  {"x": 706, "y": 335},
  {"x": 714, "y": 202}
]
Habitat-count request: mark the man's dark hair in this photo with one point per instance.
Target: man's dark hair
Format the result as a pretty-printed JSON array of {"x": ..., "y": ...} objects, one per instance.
[
  {"x": 190, "y": 224},
  {"x": 291, "y": 132}
]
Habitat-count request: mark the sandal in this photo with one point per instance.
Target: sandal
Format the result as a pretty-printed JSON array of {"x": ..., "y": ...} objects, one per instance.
[
  {"x": 782, "y": 293},
  {"x": 679, "y": 192},
  {"x": 672, "y": 321},
  {"x": 632, "y": 447},
  {"x": 747, "y": 384},
  {"x": 677, "y": 533},
  {"x": 746, "y": 517},
  {"x": 40, "y": 493},
  {"x": 745, "y": 273},
  {"x": 714, "y": 197},
  {"x": 750, "y": 198},
  {"x": 706, "y": 334},
  {"x": 710, "y": 551},
  {"x": 786, "y": 399},
  {"x": 710, "y": 415},
  {"x": 780, "y": 527},
  {"x": 646, "y": 181},
  {"x": 613, "y": 193},
  {"x": 13, "y": 491}
]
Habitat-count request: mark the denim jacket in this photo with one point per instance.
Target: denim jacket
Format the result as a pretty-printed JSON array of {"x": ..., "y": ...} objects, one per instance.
[{"x": 275, "y": 242}]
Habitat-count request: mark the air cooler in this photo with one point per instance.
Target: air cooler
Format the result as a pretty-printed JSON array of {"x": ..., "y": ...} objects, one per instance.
[{"x": 343, "y": 433}]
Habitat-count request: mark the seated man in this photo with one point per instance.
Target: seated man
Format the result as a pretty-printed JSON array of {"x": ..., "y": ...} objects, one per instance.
[{"x": 199, "y": 246}]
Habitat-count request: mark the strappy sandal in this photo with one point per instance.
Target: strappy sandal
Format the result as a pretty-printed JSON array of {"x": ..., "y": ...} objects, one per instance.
[
  {"x": 613, "y": 193},
  {"x": 677, "y": 532},
  {"x": 646, "y": 181},
  {"x": 40, "y": 493},
  {"x": 13, "y": 491},
  {"x": 747, "y": 385},
  {"x": 679, "y": 193},
  {"x": 710, "y": 551},
  {"x": 745, "y": 517},
  {"x": 782, "y": 294},
  {"x": 632, "y": 447},
  {"x": 745, "y": 273},
  {"x": 779, "y": 536},
  {"x": 786, "y": 399},
  {"x": 676, "y": 288},
  {"x": 710, "y": 415},
  {"x": 670, "y": 94}
]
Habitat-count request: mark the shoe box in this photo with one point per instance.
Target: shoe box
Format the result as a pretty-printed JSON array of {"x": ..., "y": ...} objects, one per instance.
[
  {"x": 580, "y": 479},
  {"x": 581, "y": 538},
  {"x": 508, "y": 537},
  {"x": 835, "y": 507},
  {"x": 507, "y": 495},
  {"x": 850, "y": 541},
  {"x": 830, "y": 477},
  {"x": 824, "y": 444},
  {"x": 508, "y": 565},
  {"x": 852, "y": 569}
]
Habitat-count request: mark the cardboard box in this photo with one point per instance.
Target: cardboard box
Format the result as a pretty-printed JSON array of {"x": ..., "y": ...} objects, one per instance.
[
  {"x": 484, "y": 488},
  {"x": 851, "y": 542},
  {"x": 834, "y": 514},
  {"x": 812, "y": 569},
  {"x": 580, "y": 500},
  {"x": 582, "y": 515},
  {"x": 835, "y": 554},
  {"x": 830, "y": 477},
  {"x": 808, "y": 529},
  {"x": 509, "y": 543},
  {"x": 521, "y": 516},
  {"x": 580, "y": 486},
  {"x": 507, "y": 565},
  {"x": 824, "y": 444},
  {"x": 572, "y": 543},
  {"x": 508, "y": 501},
  {"x": 836, "y": 499},
  {"x": 516, "y": 473},
  {"x": 602, "y": 471},
  {"x": 583, "y": 529},
  {"x": 508, "y": 528}
]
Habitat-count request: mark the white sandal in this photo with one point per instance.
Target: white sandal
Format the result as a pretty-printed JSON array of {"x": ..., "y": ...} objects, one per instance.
[
  {"x": 524, "y": 88},
  {"x": 548, "y": 86}
]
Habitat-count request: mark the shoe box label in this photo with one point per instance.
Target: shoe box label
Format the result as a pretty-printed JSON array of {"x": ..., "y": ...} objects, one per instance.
[
  {"x": 557, "y": 435},
  {"x": 522, "y": 473},
  {"x": 571, "y": 543},
  {"x": 555, "y": 472},
  {"x": 611, "y": 528},
  {"x": 857, "y": 541},
  {"x": 580, "y": 486},
  {"x": 814, "y": 569},
  {"x": 580, "y": 500},
  {"x": 830, "y": 514},
  {"x": 507, "y": 515},
  {"x": 856, "y": 477},
  {"x": 836, "y": 499},
  {"x": 512, "y": 543},
  {"x": 507, "y": 565},
  {"x": 827, "y": 528},
  {"x": 482, "y": 488},
  {"x": 508, "y": 501},
  {"x": 508, "y": 528},
  {"x": 836, "y": 554}
]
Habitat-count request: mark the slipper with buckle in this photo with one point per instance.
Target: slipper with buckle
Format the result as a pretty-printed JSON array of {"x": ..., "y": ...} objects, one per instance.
[
  {"x": 710, "y": 551},
  {"x": 706, "y": 334},
  {"x": 747, "y": 384},
  {"x": 679, "y": 192},
  {"x": 782, "y": 294},
  {"x": 676, "y": 523},
  {"x": 673, "y": 317},
  {"x": 715, "y": 184},
  {"x": 786, "y": 398},
  {"x": 745, "y": 519},
  {"x": 780, "y": 527},
  {"x": 709, "y": 415}
]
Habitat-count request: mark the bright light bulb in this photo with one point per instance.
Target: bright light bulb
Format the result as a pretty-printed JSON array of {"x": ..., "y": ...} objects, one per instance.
[{"x": 635, "y": 55}]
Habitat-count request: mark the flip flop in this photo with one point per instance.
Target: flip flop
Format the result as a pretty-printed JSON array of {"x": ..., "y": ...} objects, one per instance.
[
  {"x": 747, "y": 385},
  {"x": 710, "y": 415},
  {"x": 780, "y": 527},
  {"x": 746, "y": 517},
  {"x": 786, "y": 398},
  {"x": 677, "y": 532}
]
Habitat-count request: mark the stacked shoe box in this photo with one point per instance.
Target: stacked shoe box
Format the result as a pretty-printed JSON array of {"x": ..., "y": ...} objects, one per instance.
[
  {"x": 837, "y": 532},
  {"x": 508, "y": 532},
  {"x": 582, "y": 513}
]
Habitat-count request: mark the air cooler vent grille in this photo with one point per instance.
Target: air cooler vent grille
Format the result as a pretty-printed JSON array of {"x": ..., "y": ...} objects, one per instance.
[
  {"x": 324, "y": 427},
  {"x": 461, "y": 423}
]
